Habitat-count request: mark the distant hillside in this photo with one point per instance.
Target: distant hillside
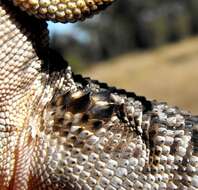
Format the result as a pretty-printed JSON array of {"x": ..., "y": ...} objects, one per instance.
[{"x": 167, "y": 74}]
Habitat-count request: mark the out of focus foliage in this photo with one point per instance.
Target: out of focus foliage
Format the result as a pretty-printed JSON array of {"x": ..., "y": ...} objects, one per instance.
[{"x": 129, "y": 25}]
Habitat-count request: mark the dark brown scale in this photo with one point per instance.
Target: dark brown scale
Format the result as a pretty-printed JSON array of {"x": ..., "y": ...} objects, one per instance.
[
  {"x": 79, "y": 143},
  {"x": 83, "y": 82},
  {"x": 103, "y": 95},
  {"x": 97, "y": 125},
  {"x": 195, "y": 140},
  {"x": 80, "y": 104},
  {"x": 154, "y": 169},
  {"x": 156, "y": 161},
  {"x": 85, "y": 118},
  {"x": 69, "y": 146},
  {"x": 59, "y": 121},
  {"x": 122, "y": 115},
  {"x": 73, "y": 139},
  {"x": 87, "y": 149},
  {"x": 56, "y": 128},
  {"x": 158, "y": 152},
  {"x": 102, "y": 112},
  {"x": 64, "y": 133}
]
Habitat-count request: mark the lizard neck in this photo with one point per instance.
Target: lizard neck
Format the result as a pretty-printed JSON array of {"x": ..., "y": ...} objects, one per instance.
[
  {"x": 30, "y": 74},
  {"x": 23, "y": 41},
  {"x": 21, "y": 38}
]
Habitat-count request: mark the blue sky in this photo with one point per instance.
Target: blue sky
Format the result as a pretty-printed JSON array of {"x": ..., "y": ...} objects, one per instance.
[
  {"x": 61, "y": 28},
  {"x": 68, "y": 29}
]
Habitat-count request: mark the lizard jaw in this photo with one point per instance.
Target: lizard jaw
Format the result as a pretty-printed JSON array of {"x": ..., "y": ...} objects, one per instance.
[{"x": 62, "y": 10}]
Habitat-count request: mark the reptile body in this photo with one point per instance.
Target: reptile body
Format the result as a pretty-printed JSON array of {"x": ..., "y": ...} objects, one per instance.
[{"x": 59, "y": 130}]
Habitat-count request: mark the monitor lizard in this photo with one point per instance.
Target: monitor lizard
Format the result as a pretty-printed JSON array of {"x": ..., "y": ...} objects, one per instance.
[{"x": 59, "y": 130}]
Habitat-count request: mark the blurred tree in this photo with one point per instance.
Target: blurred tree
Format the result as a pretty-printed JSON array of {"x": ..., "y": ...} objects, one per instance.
[
  {"x": 178, "y": 22},
  {"x": 132, "y": 24},
  {"x": 193, "y": 10}
]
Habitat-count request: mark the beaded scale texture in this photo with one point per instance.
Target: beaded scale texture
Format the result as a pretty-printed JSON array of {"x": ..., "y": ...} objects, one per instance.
[{"x": 62, "y": 131}]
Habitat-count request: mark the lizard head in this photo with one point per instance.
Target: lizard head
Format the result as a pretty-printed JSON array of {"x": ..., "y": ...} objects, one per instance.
[{"x": 62, "y": 10}]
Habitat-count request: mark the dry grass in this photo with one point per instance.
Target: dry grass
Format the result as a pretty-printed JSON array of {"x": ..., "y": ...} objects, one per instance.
[{"x": 167, "y": 74}]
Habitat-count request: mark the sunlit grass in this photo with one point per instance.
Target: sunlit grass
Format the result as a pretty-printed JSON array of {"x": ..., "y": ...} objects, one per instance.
[{"x": 167, "y": 74}]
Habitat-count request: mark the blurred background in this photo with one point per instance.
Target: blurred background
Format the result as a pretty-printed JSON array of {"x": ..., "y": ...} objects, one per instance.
[{"x": 149, "y": 47}]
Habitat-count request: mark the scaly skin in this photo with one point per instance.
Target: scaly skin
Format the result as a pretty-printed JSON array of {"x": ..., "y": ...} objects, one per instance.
[
  {"x": 62, "y": 131},
  {"x": 62, "y": 10}
]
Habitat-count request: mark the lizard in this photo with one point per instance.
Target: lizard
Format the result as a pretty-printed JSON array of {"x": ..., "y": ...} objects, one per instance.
[{"x": 59, "y": 130}]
